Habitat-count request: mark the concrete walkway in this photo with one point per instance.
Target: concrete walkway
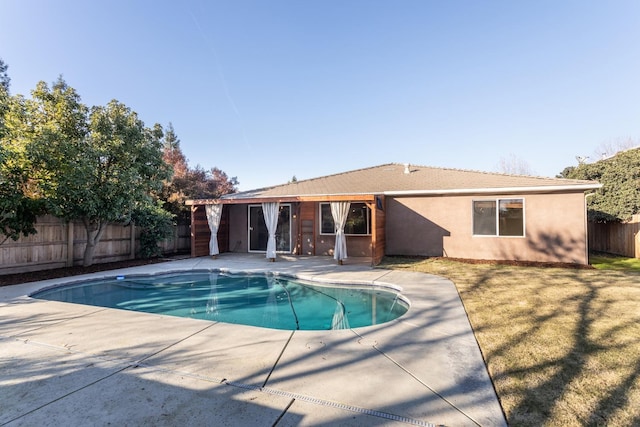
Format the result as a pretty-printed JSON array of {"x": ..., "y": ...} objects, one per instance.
[{"x": 69, "y": 364}]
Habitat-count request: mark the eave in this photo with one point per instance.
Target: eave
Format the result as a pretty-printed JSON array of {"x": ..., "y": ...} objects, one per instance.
[{"x": 285, "y": 199}]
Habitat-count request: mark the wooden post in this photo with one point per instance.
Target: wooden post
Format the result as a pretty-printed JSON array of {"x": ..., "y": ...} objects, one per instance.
[
  {"x": 176, "y": 236},
  {"x": 132, "y": 254},
  {"x": 637, "y": 236},
  {"x": 192, "y": 232},
  {"x": 69, "y": 262}
]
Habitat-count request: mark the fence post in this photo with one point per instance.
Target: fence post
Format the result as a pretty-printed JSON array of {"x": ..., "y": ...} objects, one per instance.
[
  {"x": 637, "y": 237},
  {"x": 132, "y": 253},
  {"x": 70, "y": 242},
  {"x": 176, "y": 236}
]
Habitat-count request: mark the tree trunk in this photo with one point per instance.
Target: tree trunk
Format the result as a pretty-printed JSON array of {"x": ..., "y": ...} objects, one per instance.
[{"x": 94, "y": 234}]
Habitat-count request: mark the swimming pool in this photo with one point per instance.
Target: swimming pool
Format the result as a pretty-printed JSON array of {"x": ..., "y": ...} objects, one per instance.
[{"x": 267, "y": 301}]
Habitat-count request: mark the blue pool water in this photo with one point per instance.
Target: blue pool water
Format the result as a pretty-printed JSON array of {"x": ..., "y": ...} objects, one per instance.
[{"x": 266, "y": 301}]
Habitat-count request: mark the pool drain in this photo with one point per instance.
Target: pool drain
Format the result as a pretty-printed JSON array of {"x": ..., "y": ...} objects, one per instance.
[{"x": 328, "y": 403}]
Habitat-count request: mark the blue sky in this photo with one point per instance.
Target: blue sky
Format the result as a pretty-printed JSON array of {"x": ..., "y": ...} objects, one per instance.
[{"x": 266, "y": 90}]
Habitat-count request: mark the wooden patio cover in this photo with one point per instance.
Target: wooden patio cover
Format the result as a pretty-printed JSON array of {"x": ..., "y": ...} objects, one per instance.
[{"x": 200, "y": 231}]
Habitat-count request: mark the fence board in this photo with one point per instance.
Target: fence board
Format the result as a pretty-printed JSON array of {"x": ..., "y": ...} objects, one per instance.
[
  {"x": 49, "y": 248},
  {"x": 616, "y": 238}
]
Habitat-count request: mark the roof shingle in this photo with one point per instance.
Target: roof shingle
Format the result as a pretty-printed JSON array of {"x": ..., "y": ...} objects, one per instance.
[{"x": 391, "y": 179}]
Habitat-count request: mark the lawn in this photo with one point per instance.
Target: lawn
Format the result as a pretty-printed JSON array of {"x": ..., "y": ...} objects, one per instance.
[
  {"x": 562, "y": 345},
  {"x": 612, "y": 262}
]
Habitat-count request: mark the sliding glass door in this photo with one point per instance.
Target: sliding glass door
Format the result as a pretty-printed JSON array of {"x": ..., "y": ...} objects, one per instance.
[{"x": 258, "y": 234}]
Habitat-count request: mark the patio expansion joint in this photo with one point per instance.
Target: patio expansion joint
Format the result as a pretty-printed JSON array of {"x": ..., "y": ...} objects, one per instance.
[
  {"x": 140, "y": 361},
  {"x": 329, "y": 403},
  {"x": 66, "y": 319},
  {"x": 415, "y": 377},
  {"x": 68, "y": 350},
  {"x": 126, "y": 366},
  {"x": 278, "y": 359},
  {"x": 68, "y": 394}
]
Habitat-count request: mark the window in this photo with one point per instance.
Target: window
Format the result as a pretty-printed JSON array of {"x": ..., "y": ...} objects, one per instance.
[
  {"x": 506, "y": 220},
  {"x": 358, "y": 221}
]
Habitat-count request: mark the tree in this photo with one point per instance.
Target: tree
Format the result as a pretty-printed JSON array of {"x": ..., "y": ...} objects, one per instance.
[
  {"x": 19, "y": 204},
  {"x": 18, "y": 211},
  {"x": 222, "y": 184},
  {"x": 95, "y": 168},
  {"x": 173, "y": 189},
  {"x": 619, "y": 197},
  {"x": 155, "y": 224},
  {"x": 5, "y": 80},
  {"x": 512, "y": 165},
  {"x": 186, "y": 182},
  {"x": 610, "y": 148}
]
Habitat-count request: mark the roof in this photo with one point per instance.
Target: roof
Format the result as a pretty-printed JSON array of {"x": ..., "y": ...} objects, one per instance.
[{"x": 393, "y": 180}]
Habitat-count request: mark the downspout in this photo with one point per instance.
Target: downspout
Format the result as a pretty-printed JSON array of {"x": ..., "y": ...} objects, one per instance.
[{"x": 586, "y": 225}]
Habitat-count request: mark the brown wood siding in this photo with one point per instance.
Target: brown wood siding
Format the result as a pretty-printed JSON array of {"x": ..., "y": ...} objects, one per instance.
[
  {"x": 616, "y": 238},
  {"x": 378, "y": 235},
  {"x": 308, "y": 228},
  {"x": 200, "y": 233},
  {"x": 223, "y": 231}
]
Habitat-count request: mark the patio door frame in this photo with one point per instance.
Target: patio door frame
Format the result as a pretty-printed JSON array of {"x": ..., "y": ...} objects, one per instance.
[{"x": 263, "y": 229}]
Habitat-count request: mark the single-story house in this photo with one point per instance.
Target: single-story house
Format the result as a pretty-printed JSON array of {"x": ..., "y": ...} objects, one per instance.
[{"x": 397, "y": 209}]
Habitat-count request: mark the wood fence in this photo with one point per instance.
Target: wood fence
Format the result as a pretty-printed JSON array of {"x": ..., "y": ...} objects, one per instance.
[
  {"x": 61, "y": 244},
  {"x": 616, "y": 238}
]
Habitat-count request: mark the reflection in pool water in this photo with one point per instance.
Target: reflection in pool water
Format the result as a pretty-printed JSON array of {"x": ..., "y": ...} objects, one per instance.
[{"x": 267, "y": 301}]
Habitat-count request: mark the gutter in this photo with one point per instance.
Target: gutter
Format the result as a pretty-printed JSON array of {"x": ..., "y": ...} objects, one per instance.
[
  {"x": 540, "y": 189},
  {"x": 229, "y": 198}
]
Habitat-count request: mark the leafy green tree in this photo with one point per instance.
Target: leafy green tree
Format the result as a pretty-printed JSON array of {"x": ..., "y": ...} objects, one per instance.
[
  {"x": 18, "y": 211},
  {"x": 19, "y": 203},
  {"x": 566, "y": 172},
  {"x": 56, "y": 122},
  {"x": 94, "y": 167},
  {"x": 155, "y": 224},
  {"x": 619, "y": 197},
  {"x": 5, "y": 80}
]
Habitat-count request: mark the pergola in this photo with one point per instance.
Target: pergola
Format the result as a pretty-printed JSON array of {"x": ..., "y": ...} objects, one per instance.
[{"x": 304, "y": 210}]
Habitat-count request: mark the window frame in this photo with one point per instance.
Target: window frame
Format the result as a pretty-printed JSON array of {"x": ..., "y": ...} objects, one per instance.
[
  {"x": 497, "y": 201},
  {"x": 290, "y": 220},
  {"x": 368, "y": 220}
]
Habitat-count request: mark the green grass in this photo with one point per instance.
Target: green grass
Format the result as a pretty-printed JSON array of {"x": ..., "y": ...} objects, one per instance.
[
  {"x": 613, "y": 262},
  {"x": 562, "y": 345}
]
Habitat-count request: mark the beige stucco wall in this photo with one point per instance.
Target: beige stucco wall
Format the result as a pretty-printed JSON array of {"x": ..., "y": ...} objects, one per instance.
[{"x": 555, "y": 229}]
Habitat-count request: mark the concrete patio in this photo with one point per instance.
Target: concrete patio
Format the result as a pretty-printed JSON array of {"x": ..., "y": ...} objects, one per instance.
[{"x": 69, "y": 364}]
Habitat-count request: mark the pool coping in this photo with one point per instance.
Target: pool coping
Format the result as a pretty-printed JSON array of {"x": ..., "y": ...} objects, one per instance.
[{"x": 424, "y": 368}]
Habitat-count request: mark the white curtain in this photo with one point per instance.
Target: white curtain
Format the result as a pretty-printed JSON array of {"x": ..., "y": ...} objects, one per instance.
[
  {"x": 339, "y": 212},
  {"x": 271, "y": 211},
  {"x": 270, "y": 317},
  {"x": 214, "y": 213},
  {"x": 212, "y": 302},
  {"x": 339, "y": 320}
]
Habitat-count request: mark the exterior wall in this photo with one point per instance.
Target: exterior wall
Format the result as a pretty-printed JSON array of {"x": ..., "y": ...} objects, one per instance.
[
  {"x": 305, "y": 233},
  {"x": 379, "y": 225},
  {"x": 357, "y": 246},
  {"x": 308, "y": 229},
  {"x": 238, "y": 228},
  {"x": 200, "y": 233},
  {"x": 555, "y": 229}
]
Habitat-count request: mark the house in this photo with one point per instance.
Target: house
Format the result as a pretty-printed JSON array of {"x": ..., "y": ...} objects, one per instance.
[{"x": 397, "y": 209}]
